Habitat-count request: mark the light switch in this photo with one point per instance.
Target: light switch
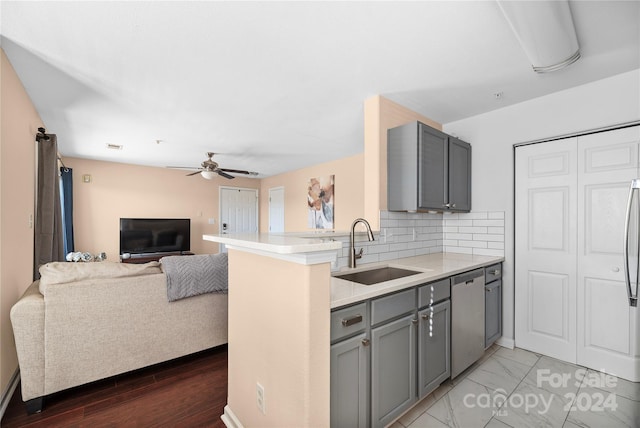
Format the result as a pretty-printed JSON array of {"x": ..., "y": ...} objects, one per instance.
[
  {"x": 212, "y": 221},
  {"x": 86, "y": 178}
]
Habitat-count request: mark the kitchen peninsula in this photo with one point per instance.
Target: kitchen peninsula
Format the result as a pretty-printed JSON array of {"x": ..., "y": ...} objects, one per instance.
[{"x": 281, "y": 294}]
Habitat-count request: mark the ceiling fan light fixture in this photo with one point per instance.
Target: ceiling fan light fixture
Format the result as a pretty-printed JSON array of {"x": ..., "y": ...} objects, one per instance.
[
  {"x": 209, "y": 175},
  {"x": 545, "y": 31}
]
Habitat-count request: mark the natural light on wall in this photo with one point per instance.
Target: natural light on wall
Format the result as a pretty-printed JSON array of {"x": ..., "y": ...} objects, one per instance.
[{"x": 545, "y": 31}]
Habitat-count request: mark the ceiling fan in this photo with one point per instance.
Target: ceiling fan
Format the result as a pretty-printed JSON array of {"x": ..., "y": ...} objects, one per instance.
[{"x": 209, "y": 169}]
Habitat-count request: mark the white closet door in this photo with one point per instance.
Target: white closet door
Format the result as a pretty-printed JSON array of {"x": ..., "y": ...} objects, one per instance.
[
  {"x": 545, "y": 277},
  {"x": 607, "y": 325}
]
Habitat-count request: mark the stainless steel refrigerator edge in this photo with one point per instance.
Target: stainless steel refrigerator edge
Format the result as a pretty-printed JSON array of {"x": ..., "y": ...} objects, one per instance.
[{"x": 632, "y": 243}]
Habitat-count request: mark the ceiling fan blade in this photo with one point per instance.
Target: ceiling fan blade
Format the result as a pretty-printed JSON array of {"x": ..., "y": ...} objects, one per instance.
[
  {"x": 224, "y": 174},
  {"x": 182, "y": 167},
  {"x": 193, "y": 173},
  {"x": 238, "y": 171}
]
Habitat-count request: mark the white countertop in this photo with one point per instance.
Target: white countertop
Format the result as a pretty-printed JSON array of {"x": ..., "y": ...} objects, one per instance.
[
  {"x": 278, "y": 244},
  {"x": 432, "y": 266}
]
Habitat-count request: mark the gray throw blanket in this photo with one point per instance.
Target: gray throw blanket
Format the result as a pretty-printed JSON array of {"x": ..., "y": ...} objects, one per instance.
[{"x": 193, "y": 275}]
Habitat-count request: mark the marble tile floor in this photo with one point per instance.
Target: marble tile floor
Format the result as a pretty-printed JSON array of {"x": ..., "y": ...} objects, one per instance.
[{"x": 517, "y": 388}]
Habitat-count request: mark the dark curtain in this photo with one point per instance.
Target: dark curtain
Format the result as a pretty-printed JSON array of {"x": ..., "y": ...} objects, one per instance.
[
  {"x": 66, "y": 196},
  {"x": 48, "y": 226}
]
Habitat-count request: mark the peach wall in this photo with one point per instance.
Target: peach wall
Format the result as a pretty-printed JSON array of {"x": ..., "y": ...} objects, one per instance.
[
  {"x": 380, "y": 114},
  {"x": 279, "y": 318},
  {"x": 122, "y": 190},
  {"x": 348, "y": 198},
  {"x": 20, "y": 122}
]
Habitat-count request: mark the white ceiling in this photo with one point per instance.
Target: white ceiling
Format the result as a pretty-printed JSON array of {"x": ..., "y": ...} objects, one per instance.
[{"x": 276, "y": 86}]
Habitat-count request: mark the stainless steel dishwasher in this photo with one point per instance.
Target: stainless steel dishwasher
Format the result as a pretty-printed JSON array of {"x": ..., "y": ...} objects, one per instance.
[{"x": 467, "y": 320}]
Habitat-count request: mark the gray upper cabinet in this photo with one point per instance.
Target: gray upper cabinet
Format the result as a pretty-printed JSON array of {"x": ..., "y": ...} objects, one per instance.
[{"x": 427, "y": 170}]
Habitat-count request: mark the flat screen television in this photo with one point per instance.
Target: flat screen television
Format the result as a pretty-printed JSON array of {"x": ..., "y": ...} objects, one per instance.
[{"x": 140, "y": 236}]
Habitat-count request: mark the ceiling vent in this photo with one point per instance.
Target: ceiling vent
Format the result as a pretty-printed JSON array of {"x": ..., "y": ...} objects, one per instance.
[{"x": 114, "y": 146}]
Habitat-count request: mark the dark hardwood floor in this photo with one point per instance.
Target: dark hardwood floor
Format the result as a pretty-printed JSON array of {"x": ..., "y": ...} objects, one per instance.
[{"x": 187, "y": 392}]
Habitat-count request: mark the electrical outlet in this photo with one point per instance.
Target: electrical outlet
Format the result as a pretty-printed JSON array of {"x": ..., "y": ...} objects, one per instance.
[{"x": 260, "y": 398}]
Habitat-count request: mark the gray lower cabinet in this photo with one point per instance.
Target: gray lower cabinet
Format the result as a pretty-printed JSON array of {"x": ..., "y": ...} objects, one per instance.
[
  {"x": 492, "y": 312},
  {"x": 492, "y": 304},
  {"x": 350, "y": 382},
  {"x": 393, "y": 369},
  {"x": 434, "y": 333}
]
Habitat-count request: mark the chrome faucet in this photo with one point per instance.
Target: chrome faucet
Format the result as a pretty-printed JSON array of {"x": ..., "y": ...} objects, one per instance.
[{"x": 352, "y": 248}]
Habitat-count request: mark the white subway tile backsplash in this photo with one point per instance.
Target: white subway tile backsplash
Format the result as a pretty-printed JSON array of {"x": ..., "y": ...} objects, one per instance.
[
  {"x": 488, "y": 223},
  {"x": 459, "y": 250},
  {"x": 458, "y": 222},
  {"x": 473, "y": 229},
  {"x": 388, "y": 256},
  {"x": 465, "y": 236},
  {"x": 495, "y": 230},
  {"x": 472, "y": 244},
  {"x": 488, "y": 252},
  {"x": 488, "y": 237},
  {"x": 474, "y": 215},
  {"x": 412, "y": 234},
  {"x": 448, "y": 242}
]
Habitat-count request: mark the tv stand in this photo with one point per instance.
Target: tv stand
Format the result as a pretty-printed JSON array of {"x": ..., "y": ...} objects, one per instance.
[{"x": 153, "y": 257}]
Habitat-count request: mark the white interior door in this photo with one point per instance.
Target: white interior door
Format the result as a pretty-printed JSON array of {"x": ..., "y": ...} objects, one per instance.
[
  {"x": 607, "y": 325},
  {"x": 276, "y": 210},
  {"x": 238, "y": 211},
  {"x": 545, "y": 277}
]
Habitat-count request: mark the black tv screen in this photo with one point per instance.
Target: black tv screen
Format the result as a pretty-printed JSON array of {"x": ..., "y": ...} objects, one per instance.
[{"x": 154, "y": 235}]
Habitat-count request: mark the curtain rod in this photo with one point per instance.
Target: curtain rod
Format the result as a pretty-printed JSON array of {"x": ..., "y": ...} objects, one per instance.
[{"x": 41, "y": 135}]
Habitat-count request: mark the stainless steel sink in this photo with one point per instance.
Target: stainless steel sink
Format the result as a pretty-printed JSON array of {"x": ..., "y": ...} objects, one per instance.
[{"x": 375, "y": 276}]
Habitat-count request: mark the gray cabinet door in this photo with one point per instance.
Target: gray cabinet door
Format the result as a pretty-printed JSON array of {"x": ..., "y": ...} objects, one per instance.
[
  {"x": 459, "y": 197},
  {"x": 492, "y": 312},
  {"x": 432, "y": 168},
  {"x": 350, "y": 382},
  {"x": 434, "y": 335},
  {"x": 393, "y": 369}
]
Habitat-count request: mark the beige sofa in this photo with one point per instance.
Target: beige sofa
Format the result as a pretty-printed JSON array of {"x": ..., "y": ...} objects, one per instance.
[{"x": 87, "y": 321}]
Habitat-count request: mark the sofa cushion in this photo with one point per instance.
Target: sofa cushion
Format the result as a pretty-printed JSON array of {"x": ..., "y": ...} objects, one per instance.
[{"x": 65, "y": 272}]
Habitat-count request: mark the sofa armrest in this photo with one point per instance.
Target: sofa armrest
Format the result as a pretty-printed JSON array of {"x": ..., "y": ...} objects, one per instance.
[{"x": 27, "y": 319}]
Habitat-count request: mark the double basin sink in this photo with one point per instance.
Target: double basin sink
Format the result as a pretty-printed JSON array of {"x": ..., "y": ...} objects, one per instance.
[{"x": 377, "y": 275}]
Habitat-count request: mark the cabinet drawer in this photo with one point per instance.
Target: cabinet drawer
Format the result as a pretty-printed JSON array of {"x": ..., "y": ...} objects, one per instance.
[
  {"x": 347, "y": 321},
  {"x": 493, "y": 272},
  {"x": 434, "y": 292},
  {"x": 388, "y": 307}
]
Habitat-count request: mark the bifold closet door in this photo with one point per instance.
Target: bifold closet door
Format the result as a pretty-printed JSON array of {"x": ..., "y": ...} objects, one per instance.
[
  {"x": 608, "y": 334},
  {"x": 545, "y": 252}
]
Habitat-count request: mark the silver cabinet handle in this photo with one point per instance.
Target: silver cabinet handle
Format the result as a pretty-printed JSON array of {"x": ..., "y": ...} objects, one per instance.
[
  {"x": 365, "y": 342},
  {"x": 414, "y": 321},
  {"x": 488, "y": 290},
  {"x": 425, "y": 316},
  {"x": 346, "y": 322},
  {"x": 495, "y": 272}
]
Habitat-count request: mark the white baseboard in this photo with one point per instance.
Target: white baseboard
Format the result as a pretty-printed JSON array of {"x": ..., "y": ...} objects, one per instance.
[
  {"x": 506, "y": 342},
  {"x": 229, "y": 418},
  {"x": 8, "y": 393}
]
